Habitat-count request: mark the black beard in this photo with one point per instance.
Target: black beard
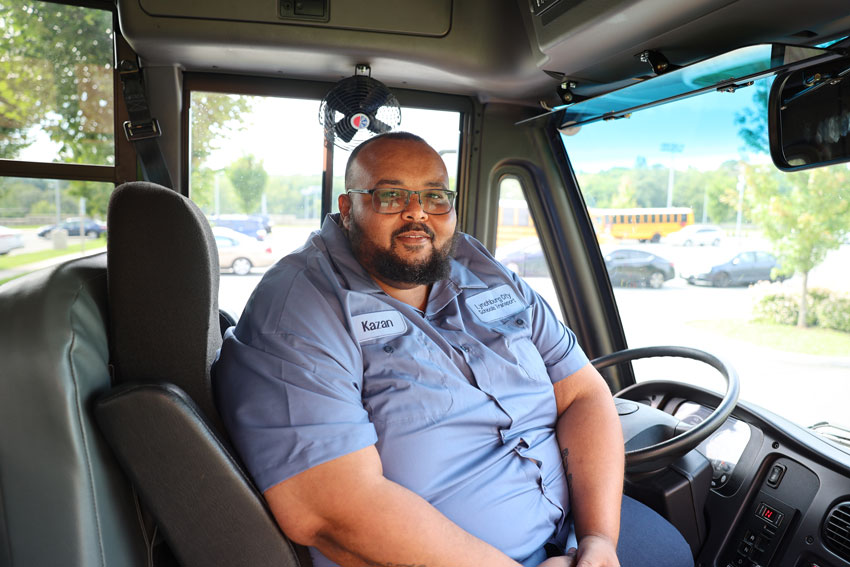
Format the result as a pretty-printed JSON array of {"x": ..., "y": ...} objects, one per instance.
[{"x": 387, "y": 264}]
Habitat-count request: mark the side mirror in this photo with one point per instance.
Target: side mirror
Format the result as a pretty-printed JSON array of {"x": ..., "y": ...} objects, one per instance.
[{"x": 809, "y": 116}]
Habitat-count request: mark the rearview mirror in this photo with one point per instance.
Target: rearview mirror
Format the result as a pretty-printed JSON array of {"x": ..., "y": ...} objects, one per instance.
[{"x": 809, "y": 116}]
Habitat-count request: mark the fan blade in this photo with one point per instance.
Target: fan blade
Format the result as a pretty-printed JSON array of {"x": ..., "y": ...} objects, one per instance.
[
  {"x": 375, "y": 98},
  {"x": 344, "y": 130},
  {"x": 377, "y": 126},
  {"x": 344, "y": 97}
]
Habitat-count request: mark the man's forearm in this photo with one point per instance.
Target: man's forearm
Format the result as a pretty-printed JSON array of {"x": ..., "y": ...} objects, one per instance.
[
  {"x": 348, "y": 510},
  {"x": 591, "y": 441},
  {"x": 398, "y": 528}
]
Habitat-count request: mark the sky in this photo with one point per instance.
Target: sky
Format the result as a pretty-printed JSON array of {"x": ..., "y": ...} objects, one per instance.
[
  {"x": 287, "y": 136},
  {"x": 704, "y": 125}
]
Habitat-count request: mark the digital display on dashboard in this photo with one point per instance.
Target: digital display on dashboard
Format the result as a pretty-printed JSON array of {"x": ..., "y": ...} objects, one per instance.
[{"x": 724, "y": 447}]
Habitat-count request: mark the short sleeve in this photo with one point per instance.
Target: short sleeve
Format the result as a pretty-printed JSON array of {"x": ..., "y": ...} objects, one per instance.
[
  {"x": 556, "y": 343},
  {"x": 290, "y": 396}
]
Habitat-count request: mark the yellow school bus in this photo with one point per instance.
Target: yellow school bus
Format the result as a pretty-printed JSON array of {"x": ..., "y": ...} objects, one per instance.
[
  {"x": 643, "y": 224},
  {"x": 515, "y": 222}
]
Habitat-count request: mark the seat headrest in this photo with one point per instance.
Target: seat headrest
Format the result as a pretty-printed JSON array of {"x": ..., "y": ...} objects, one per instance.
[{"x": 163, "y": 276}]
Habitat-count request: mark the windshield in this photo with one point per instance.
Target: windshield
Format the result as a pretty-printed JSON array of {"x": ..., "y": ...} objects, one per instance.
[{"x": 756, "y": 241}]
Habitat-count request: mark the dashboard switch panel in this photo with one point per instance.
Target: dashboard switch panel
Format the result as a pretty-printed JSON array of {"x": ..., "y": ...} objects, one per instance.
[
  {"x": 760, "y": 534},
  {"x": 769, "y": 514},
  {"x": 774, "y": 477}
]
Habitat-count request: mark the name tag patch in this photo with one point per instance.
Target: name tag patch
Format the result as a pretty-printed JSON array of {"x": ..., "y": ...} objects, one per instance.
[
  {"x": 370, "y": 326},
  {"x": 496, "y": 303}
]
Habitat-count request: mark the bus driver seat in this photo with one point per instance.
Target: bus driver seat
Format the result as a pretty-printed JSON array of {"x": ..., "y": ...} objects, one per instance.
[{"x": 160, "y": 420}]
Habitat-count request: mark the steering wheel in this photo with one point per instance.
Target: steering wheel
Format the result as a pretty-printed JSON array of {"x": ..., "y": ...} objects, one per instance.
[{"x": 653, "y": 438}]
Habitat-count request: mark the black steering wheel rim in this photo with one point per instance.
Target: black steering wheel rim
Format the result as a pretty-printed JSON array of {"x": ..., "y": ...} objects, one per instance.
[{"x": 667, "y": 451}]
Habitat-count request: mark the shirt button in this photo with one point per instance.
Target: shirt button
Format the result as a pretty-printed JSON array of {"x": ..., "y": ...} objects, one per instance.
[
  {"x": 388, "y": 349},
  {"x": 520, "y": 322},
  {"x": 465, "y": 348}
]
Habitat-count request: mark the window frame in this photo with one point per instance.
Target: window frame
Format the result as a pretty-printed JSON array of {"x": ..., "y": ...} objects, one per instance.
[
  {"x": 316, "y": 90},
  {"x": 125, "y": 168}
]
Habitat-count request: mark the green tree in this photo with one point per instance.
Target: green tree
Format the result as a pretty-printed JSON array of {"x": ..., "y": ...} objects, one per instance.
[
  {"x": 805, "y": 215},
  {"x": 752, "y": 120},
  {"x": 214, "y": 116},
  {"x": 248, "y": 178},
  {"x": 57, "y": 74},
  {"x": 722, "y": 193}
]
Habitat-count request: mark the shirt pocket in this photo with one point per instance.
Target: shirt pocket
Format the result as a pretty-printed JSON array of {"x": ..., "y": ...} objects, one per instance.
[
  {"x": 515, "y": 341},
  {"x": 403, "y": 382}
]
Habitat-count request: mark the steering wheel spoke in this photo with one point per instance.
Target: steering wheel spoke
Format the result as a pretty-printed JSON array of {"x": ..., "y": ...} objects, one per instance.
[{"x": 654, "y": 438}]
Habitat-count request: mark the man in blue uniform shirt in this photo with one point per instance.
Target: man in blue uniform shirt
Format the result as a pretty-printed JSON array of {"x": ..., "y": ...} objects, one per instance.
[{"x": 402, "y": 399}]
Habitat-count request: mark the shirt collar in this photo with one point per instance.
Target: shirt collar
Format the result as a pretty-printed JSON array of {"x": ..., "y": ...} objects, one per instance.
[{"x": 339, "y": 250}]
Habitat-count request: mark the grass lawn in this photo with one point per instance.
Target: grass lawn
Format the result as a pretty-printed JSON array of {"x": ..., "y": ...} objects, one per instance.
[
  {"x": 11, "y": 261},
  {"x": 823, "y": 342},
  {"x": 14, "y": 261},
  {"x": 2, "y": 281}
]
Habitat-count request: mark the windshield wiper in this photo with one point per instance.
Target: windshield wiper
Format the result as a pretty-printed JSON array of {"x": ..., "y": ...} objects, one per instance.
[{"x": 836, "y": 433}]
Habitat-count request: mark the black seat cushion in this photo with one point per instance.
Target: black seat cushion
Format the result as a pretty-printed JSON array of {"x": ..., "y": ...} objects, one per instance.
[{"x": 63, "y": 498}]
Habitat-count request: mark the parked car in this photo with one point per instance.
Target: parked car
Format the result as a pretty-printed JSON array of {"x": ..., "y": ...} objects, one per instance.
[
  {"x": 625, "y": 267},
  {"x": 92, "y": 228},
  {"x": 525, "y": 258},
  {"x": 636, "y": 267},
  {"x": 249, "y": 225},
  {"x": 10, "y": 239},
  {"x": 239, "y": 252},
  {"x": 266, "y": 220},
  {"x": 744, "y": 268},
  {"x": 696, "y": 235}
]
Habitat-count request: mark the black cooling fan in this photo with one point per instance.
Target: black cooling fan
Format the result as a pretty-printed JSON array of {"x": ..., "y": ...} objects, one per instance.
[{"x": 357, "y": 108}]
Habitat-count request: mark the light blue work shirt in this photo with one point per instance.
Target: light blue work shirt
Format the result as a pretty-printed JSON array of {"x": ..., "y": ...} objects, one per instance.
[{"x": 458, "y": 400}]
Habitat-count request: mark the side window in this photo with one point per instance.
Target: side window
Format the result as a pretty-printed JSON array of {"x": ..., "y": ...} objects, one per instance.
[
  {"x": 57, "y": 120},
  {"x": 251, "y": 176},
  {"x": 518, "y": 244}
]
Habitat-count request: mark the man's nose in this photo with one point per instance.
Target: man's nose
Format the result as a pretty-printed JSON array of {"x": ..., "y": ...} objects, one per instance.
[{"x": 414, "y": 210}]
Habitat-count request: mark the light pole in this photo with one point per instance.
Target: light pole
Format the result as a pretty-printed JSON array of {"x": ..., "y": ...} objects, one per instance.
[{"x": 673, "y": 149}]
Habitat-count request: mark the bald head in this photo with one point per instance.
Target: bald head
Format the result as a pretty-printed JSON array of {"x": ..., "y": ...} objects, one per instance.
[{"x": 389, "y": 136}]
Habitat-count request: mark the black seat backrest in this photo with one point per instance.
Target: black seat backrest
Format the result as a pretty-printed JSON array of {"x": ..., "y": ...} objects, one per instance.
[
  {"x": 163, "y": 290},
  {"x": 63, "y": 498},
  {"x": 160, "y": 420}
]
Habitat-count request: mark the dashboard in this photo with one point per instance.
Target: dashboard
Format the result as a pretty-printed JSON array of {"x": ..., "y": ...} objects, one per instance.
[
  {"x": 725, "y": 446},
  {"x": 779, "y": 495}
]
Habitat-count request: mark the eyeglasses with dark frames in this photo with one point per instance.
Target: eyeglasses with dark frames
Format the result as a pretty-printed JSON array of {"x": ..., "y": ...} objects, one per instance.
[{"x": 393, "y": 200}]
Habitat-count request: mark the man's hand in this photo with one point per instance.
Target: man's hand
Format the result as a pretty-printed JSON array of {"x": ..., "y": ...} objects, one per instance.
[
  {"x": 568, "y": 560},
  {"x": 596, "y": 551}
]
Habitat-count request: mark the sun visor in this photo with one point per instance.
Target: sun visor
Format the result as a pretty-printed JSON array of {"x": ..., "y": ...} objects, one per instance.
[{"x": 727, "y": 72}]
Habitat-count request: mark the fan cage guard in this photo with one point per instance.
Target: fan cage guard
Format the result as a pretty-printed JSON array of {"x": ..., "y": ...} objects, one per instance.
[{"x": 358, "y": 95}]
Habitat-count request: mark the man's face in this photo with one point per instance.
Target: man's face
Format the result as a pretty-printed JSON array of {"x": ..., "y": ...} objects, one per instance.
[{"x": 403, "y": 249}]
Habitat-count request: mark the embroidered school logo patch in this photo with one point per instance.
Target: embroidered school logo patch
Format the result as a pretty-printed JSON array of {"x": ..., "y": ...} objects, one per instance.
[
  {"x": 496, "y": 303},
  {"x": 377, "y": 325}
]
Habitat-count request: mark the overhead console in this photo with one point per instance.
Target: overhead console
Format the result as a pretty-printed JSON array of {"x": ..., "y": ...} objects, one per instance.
[
  {"x": 432, "y": 18},
  {"x": 448, "y": 46},
  {"x": 614, "y": 33}
]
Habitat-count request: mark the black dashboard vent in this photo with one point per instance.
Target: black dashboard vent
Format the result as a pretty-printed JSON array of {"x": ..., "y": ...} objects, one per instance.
[{"x": 836, "y": 530}]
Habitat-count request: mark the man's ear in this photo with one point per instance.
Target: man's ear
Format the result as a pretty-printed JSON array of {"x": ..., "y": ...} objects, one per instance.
[{"x": 344, "y": 204}]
